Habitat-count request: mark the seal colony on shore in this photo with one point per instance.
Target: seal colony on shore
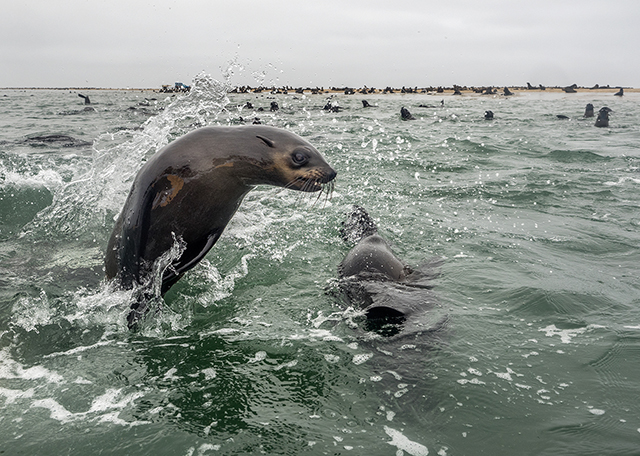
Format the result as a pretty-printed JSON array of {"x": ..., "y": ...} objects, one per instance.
[
  {"x": 454, "y": 89},
  {"x": 183, "y": 198}
]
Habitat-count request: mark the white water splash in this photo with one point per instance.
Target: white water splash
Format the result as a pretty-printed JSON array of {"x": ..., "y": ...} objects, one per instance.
[
  {"x": 404, "y": 444},
  {"x": 94, "y": 195},
  {"x": 566, "y": 335}
]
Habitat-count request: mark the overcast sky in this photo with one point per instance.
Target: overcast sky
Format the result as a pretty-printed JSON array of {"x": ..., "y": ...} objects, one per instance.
[{"x": 139, "y": 43}]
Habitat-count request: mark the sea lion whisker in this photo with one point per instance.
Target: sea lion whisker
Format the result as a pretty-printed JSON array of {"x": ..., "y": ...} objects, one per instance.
[
  {"x": 291, "y": 183},
  {"x": 329, "y": 186},
  {"x": 319, "y": 193}
]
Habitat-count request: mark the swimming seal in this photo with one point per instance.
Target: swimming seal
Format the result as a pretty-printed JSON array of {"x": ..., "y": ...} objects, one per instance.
[
  {"x": 588, "y": 110},
  {"x": 603, "y": 117},
  {"x": 189, "y": 190},
  {"x": 394, "y": 297},
  {"x": 405, "y": 114}
]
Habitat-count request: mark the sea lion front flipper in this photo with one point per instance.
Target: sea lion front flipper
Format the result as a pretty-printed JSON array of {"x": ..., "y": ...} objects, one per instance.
[
  {"x": 128, "y": 240},
  {"x": 192, "y": 254},
  {"x": 145, "y": 296}
]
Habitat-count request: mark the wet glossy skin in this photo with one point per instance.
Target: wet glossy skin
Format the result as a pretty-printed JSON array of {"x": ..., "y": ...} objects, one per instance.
[{"x": 192, "y": 188}]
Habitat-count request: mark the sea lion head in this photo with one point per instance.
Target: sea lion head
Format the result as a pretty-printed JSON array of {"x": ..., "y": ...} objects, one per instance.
[
  {"x": 293, "y": 162},
  {"x": 357, "y": 225}
]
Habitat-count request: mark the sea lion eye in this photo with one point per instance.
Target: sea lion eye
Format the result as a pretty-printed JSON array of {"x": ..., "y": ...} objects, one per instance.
[{"x": 299, "y": 158}]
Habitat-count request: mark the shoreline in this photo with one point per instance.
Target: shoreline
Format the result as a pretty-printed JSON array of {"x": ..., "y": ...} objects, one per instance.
[{"x": 357, "y": 91}]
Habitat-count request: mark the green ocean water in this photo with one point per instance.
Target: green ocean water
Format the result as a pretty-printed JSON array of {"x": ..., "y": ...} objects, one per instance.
[{"x": 535, "y": 220}]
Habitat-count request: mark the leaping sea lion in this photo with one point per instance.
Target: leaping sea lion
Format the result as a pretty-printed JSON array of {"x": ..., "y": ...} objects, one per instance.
[{"x": 189, "y": 190}]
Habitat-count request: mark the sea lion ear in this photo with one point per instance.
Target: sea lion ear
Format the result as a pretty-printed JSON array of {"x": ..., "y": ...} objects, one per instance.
[{"x": 267, "y": 141}]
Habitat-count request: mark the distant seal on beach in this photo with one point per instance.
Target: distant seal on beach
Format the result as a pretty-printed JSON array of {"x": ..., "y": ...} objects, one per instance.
[
  {"x": 507, "y": 92},
  {"x": 588, "y": 110},
  {"x": 603, "y": 117},
  {"x": 405, "y": 114},
  {"x": 393, "y": 296},
  {"x": 188, "y": 191},
  {"x": 619, "y": 93}
]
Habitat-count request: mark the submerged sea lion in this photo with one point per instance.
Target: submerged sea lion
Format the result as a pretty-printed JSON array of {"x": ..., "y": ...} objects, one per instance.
[
  {"x": 189, "y": 190},
  {"x": 394, "y": 297}
]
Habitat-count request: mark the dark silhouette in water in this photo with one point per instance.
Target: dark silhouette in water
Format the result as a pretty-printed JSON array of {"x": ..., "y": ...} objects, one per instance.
[
  {"x": 588, "y": 110},
  {"x": 619, "y": 93},
  {"x": 603, "y": 117},
  {"x": 86, "y": 99},
  {"x": 365, "y": 104},
  {"x": 397, "y": 300},
  {"x": 55, "y": 140},
  {"x": 405, "y": 114},
  {"x": 85, "y": 110},
  {"x": 488, "y": 115},
  {"x": 331, "y": 107}
]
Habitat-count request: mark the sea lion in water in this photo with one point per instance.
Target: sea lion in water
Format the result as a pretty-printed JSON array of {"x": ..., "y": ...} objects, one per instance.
[
  {"x": 189, "y": 190},
  {"x": 405, "y": 114},
  {"x": 488, "y": 115},
  {"x": 603, "y": 117},
  {"x": 394, "y": 297},
  {"x": 588, "y": 110},
  {"x": 619, "y": 93}
]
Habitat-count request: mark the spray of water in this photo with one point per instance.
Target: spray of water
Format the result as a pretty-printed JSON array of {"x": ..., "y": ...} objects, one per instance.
[{"x": 94, "y": 197}]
